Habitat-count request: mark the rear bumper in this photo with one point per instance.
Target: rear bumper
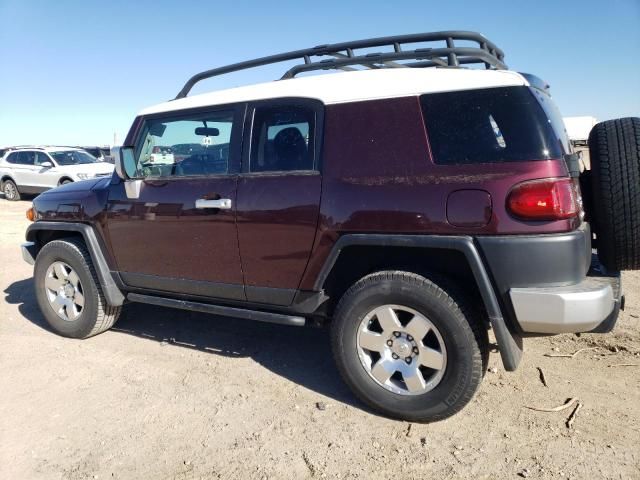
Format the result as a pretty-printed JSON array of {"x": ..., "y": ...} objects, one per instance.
[
  {"x": 29, "y": 252},
  {"x": 552, "y": 283},
  {"x": 591, "y": 305}
]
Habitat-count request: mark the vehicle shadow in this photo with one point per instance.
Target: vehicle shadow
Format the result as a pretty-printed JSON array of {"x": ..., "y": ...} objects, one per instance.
[{"x": 301, "y": 355}]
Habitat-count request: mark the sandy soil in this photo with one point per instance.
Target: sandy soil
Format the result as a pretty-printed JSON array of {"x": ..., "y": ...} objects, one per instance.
[{"x": 174, "y": 395}]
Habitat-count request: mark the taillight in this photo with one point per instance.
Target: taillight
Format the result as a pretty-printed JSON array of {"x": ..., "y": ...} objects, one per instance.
[{"x": 547, "y": 199}]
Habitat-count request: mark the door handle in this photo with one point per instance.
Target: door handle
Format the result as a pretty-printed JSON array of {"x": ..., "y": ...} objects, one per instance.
[{"x": 223, "y": 203}]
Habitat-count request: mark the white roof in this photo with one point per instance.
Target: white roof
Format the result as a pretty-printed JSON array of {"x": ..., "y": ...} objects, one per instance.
[
  {"x": 60, "y": 149},
  {"x": 354, "y": 86},
  {"x": 47, "y": 148}
]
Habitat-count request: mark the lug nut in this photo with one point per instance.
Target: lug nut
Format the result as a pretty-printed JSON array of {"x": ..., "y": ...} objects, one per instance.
[
  {"x": 410, "y": 338},
  {"x": 390, "y": 342},
  {"x": 394, "y": 356},
  {"x": 408, "y": 359},
  {"x": 415, "y": 350},
  {"x": 396, "y": 334}
]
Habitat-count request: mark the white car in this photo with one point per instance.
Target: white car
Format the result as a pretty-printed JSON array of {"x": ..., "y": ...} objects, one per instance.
[{"x": 34, "y": 170}]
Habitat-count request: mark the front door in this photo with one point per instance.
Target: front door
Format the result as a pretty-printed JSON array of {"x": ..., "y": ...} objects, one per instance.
[
  {"x": 279, "y": 197},
  {"x": 179, "y": 235}
]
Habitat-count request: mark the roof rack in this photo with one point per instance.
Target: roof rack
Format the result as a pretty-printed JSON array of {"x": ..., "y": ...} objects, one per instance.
[{"x": 343, "y": 56}]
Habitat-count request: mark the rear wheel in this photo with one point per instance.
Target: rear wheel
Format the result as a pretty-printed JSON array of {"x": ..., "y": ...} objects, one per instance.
[
  {"x": 68, "y": 292},
  {"x": 407, "y": 347},
  {"x": 10, "y": 190},
  {"x": 614, "y": 150}
]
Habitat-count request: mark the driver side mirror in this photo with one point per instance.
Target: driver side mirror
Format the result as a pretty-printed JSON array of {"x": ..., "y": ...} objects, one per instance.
[
  {"x": 125, "y": 165},
  {"x": 46, "y": 164},
  {"x": 125, "y": 162}
]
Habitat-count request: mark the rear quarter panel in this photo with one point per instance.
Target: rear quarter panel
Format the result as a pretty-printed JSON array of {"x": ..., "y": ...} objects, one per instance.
[{"x": 379, "y": 177}]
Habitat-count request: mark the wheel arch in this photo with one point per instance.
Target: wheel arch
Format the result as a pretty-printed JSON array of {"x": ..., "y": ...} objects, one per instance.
[
  {"x": 397, "y": 251},
  {"x": 42, "y": 233},
  {"x": 64, "y": 178},
  {"x": 6, "y": 177}
]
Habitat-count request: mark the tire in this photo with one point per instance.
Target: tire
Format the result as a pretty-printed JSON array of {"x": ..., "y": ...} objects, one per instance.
[
  {"x": 95, "y": 315},
  {"x": 65, "y": 181},
  {"x": 464, "y": 350},
  {"x": 614, "y": 148},
  {"x": 10, "y": 190}
]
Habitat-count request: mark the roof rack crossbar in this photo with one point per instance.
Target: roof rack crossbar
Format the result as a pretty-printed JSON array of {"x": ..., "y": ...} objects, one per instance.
[
  {"x": 343, "y": 54},
  {"x": 470, "y": 55}
]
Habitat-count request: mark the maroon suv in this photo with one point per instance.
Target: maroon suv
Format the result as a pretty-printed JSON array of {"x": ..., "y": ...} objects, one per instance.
[{"x": 411, "y": 204}]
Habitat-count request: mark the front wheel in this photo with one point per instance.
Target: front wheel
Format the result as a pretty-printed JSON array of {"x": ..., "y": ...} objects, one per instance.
[
  {"x": 68, "y": 291},
  {"x": 407, "y": 347}
]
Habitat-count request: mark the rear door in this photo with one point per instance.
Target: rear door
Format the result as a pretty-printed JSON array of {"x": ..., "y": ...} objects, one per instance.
[
  {"x": 279, "y": 196},
  {"x": 179, "y": 235},
  {"x": 23, "y": 168}
]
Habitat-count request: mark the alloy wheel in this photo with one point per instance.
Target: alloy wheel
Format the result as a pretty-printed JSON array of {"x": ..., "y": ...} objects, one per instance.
[
  {"x": 401, "y": 350},
  {"x": 9, "y": 190},
  {"x": 64, "y": 291}
]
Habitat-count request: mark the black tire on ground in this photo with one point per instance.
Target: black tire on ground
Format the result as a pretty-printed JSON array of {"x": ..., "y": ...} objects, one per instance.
[
  {"x": 614, "y": 150},
  {"x": 96, "y": 315},
  {"x": 464, "y": 336},
  {"x": 10, "y": 190}
]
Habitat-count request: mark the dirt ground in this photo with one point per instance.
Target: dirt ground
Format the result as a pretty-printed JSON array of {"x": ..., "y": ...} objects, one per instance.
[{"x": 169, "y": 394}]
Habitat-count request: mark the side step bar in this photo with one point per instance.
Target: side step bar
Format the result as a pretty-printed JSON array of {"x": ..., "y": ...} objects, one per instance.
[{"x": 268, "y": 317}]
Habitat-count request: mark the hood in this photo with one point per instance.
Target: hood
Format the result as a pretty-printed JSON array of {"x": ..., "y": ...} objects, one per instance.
[{"x": 82, "y": 186}]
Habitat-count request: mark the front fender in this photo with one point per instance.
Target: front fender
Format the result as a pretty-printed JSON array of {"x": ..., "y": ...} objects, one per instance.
[{"x": 112, "y": 293}]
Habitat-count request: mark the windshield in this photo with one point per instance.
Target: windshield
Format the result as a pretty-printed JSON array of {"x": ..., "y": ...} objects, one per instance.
[
  {"x": 73, "y": 157},
  {"x": 93, "y": 151}
]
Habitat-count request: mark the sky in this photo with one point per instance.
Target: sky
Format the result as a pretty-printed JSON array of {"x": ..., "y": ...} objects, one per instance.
[{"x": 76, "y": 72}]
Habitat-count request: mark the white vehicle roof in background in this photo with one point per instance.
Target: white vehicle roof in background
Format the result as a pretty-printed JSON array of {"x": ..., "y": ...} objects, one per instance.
[{"x": 578, "y": 128}]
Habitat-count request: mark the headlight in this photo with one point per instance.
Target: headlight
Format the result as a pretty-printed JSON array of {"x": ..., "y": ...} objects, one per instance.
[{"x": 84, "y": 176}]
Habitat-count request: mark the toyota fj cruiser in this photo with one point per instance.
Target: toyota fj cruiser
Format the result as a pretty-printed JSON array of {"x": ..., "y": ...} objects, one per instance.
[{"x": 410, "y": 203}]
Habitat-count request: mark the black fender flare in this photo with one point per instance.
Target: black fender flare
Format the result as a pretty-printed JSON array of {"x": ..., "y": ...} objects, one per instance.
[
  {"x": 509, "y": 342},
  {"x": 112, "y": 293}
]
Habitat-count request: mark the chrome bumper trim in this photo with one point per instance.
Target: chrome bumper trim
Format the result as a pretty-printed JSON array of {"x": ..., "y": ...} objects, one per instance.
[{"x": 572, "y": 309}]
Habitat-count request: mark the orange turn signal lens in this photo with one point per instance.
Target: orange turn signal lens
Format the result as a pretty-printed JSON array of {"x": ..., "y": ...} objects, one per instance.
[{"x": 31, "y": 215}]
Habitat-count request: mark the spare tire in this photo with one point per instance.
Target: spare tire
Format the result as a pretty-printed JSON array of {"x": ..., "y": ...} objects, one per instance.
[{"x": 614, "y": 149}]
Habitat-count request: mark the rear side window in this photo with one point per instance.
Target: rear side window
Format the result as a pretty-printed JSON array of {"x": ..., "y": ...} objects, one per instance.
[
  {"x": 555, "y": 118},
  {"x": 492, "y": 125},
  {"x": 21, "y": 158},
  {"x": 283, "y": 139}
]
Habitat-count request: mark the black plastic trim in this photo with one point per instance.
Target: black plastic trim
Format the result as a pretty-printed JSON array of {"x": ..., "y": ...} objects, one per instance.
[
  {"x": 112, "y": 293},
  {"x": 268, "y": 317},
  {"x": 182, "y": 285},
  {"x": 268, "y": 295},
  {"x": 550, "y": 260},
  {"x": 509, "y": 343},
  {"x": 598, "y": 270}
]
